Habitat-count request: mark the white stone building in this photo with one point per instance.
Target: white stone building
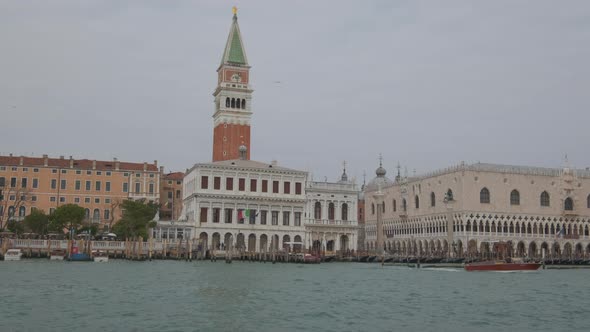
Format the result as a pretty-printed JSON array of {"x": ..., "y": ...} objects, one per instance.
[
  {"x": 461, "y": 210},
  {"x": 259, "y": 205},
  {"x": 331, "y": 215}
]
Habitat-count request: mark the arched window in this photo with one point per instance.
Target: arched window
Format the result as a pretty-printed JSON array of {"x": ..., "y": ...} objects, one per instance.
[
  {"x": 22, "y": 211},
  {"x": 137, "y": 187},
  {"x": 484, "y": 196},
  {"x": 404, "y": 205},
  {"x": 588, "y": 202},
  {"x": 432, "y": 199},
  {"x": 394, "y": 205},
  {"x": 372, "y": 208},
  {"x": 243, "y": 104},
  {"x": 96, "y": 215},
  {"x": 238, "y": 102},
  {"x": 107, "y": 214},
  {"x": 545, "y": 199},
  {"x": 345, "y": 212},
  {"x": 233, "y": 103},
  {"x": 568, "y": 205},
  {"x": 86, "y": 214},
  {"x": 227, "y": 102},
  {"x": 317, "y": 211},
  {"x": 331, "y": 211},
  {"x": 514, "y": 197},
  {"x": 383, "y": 207},
  {"x": 11, "y": 211},
  {"x": 417, "y": 201}
]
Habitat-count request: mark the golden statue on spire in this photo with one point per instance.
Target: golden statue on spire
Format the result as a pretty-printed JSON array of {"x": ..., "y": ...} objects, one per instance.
[{"x": 234, "y": 10}]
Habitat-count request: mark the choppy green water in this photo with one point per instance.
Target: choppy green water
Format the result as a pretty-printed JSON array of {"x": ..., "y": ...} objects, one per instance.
[{"x": 38, "y": 295}]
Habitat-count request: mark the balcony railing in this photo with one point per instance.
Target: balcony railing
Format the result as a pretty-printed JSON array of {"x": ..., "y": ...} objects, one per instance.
[{"x": 332, "y": 222}]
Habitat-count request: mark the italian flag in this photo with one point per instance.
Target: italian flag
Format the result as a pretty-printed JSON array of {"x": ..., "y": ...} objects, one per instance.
[{"x": 243, "y": 214}]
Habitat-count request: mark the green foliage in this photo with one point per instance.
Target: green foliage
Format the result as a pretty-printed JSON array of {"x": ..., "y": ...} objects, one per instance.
[
  {"x": 15, "y": 227},
  {"x": 37, "y": 222},
  {"x": 92, "y": 229},
  {"x": 68, "y": 216},
  {"x": 137, "y": 218}
]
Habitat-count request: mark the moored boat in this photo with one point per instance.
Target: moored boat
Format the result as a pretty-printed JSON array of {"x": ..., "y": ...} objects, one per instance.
[
  {"x": 57, "y": 255},
  {"x": 502, "y": 265},
  {"x": 13, "y": 255},
  {"x": 100, "y": 256},
  {"x": 311, "y": 259}
]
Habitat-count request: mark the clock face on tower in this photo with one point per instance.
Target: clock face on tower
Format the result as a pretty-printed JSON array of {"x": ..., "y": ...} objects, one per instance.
[{"x": 236, "y": 77}]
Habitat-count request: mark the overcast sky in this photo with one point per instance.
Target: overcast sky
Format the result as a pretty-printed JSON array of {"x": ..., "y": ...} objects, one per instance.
[{"x": 425, "y": 83}]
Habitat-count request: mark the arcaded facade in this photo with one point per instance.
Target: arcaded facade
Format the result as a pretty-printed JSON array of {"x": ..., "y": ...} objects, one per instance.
[
  {"x": 463, "y": 210},
  {"x": 251, "y": 205}
]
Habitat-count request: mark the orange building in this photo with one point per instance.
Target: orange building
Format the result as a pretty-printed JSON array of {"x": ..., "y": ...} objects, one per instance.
[
  {"x": 99, "y": 186},
  {"x": 171, "y": 196}
]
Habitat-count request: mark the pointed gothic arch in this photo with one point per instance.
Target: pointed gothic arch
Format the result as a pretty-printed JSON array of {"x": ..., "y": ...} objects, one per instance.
[
  {"x": 568, "y": 204},
  {"x": 514, "y": 197},
  {"x": 484, "y": 196},
  {"x": 432, "y": 199},
  {"x": 545, "y": 200},
  {"x": 417, "y": 201}
]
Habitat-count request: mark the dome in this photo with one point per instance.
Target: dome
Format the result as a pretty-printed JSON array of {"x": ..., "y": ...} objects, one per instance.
[{"x": 381, "y": 181}]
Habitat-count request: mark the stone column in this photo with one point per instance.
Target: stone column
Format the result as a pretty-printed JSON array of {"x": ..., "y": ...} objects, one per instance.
[
  {"x": 450, "y": 230},
  {"x": 378, "y": 196}
]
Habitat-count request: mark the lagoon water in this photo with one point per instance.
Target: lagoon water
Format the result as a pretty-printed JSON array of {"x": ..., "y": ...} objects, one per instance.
[{"x": 38, "y": 295}]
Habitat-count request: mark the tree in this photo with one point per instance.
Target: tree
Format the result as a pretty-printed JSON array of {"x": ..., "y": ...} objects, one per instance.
[
  {"x": 37, "y": 222},
  {"x": 15, "y": 226},
  {"x": 137, "y": 217},
  {"x": 67, "y": 216},
  {"x": 7, "y": 204},
  {"x": 115, "y": 203}
]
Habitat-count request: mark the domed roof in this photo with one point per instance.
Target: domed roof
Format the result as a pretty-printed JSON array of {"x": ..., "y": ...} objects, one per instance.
[{"x": 381, "y": 181}]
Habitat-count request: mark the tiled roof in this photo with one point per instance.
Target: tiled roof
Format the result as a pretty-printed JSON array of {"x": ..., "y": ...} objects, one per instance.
[
  {"x": 77, "y": 163},
  {"x": 174, "y": 176}
]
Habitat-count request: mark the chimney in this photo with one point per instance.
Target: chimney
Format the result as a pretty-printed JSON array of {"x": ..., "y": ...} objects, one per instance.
[
  {"x": 61, "y": 157},
  {"x": 145, "y": 166},
  {"x": 71, "y": 162},
  {"x": 117, "y": 164},
  {"x": 94, "y": 164},
  {"x": 21, "y": 161},
  {"x": 156, "y": 163},
  {"x": 45, "y": 160},
  {"x": 161, "y": 169}
]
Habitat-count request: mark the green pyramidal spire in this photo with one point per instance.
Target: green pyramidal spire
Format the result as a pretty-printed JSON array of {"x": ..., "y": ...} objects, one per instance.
[{"x": 234, "y": 48}]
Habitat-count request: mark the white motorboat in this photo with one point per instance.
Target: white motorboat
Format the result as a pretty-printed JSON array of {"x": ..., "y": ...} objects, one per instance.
[
  {"x": 57, "y": 255},
  {"x": 13, "y": 255},
  {"x": 100, "y": 256}
]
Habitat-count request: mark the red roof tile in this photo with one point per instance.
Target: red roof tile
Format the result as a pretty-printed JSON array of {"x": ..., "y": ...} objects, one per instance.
[
  {"x": 174, "y": 176},
  {"x": 77, "y": 163}
]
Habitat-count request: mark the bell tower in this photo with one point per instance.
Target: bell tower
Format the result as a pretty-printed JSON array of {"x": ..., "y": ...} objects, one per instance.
[{"x": 233, "y": 95}]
